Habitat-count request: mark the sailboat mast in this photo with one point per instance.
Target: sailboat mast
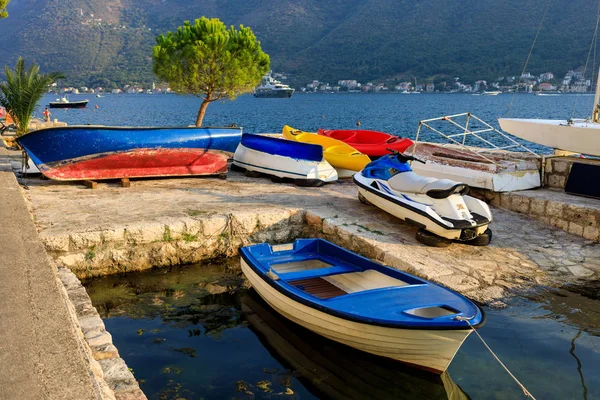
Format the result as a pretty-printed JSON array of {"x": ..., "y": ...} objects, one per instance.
[{"x": 596, "y": 109}]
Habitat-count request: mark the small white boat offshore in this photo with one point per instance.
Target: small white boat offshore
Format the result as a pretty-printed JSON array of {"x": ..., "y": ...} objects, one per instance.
[
  {"x": 281, "y": 158},
  {"x": 354, "y": 301},
  {"x": 491, "y": 93}
]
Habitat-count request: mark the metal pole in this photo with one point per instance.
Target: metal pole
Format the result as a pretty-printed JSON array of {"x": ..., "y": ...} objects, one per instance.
[{"x": 596, "y": 109}]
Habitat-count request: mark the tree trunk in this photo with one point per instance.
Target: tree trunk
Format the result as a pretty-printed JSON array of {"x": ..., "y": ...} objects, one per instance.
[{"x": 201, "y": 112}]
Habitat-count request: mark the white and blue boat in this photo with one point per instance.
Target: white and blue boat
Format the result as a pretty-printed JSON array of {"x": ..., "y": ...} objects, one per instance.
[
  {"x": 352, "y": 300},
  {"x": 302, "y": 162}
]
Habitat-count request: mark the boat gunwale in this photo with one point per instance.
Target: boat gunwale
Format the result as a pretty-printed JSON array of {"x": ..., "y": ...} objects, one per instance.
[
  {"x": 129, "y": 128},
  {"x": 247, "y": 257}
]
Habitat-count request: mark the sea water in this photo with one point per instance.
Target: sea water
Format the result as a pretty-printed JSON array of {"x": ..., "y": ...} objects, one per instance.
[
  {"x": 197, "y": 332},
  {"x": 395, "y": 113}
]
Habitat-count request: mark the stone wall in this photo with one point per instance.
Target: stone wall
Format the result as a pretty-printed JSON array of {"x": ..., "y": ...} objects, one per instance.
[
  {"x": 573, "y": 214},
  {"x": 170, "y": 242},
  {"x": 114, "y": 377},
  {"x": 557, "y": 169}
]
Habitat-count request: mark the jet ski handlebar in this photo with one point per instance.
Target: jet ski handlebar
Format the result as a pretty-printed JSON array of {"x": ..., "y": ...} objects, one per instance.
[{"x": 404, "y": 157}]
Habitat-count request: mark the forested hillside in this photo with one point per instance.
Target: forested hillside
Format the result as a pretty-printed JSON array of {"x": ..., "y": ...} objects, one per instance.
[{"x": 109, "y": 41}]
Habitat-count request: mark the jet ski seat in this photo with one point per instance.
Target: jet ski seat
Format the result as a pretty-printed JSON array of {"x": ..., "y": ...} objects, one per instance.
[{"x": 435, "y": 188}]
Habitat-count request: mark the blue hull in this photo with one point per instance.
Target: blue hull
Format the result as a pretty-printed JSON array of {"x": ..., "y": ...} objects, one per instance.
[
  {"x": 408, "y": 305},
  {"x": 94, "y": 153},
  {"x": 47, "y": 146},
  {"x": 283, "y": 147}
]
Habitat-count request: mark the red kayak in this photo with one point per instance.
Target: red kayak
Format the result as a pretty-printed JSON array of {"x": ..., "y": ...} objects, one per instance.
[{"x": 371, "y": 143}]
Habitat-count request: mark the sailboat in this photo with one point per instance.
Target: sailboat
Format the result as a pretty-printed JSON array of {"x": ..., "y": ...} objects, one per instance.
[
  {"x": 577, "y": 136},
  {"x": 573, "y": 135}
]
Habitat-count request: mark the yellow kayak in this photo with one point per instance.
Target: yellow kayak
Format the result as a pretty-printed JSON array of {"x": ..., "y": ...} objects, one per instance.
[{"x": 340, "y": 155}]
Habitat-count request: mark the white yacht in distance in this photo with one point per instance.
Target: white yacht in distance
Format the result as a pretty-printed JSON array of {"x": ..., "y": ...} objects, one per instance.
[{"x": 270, "y": 87}]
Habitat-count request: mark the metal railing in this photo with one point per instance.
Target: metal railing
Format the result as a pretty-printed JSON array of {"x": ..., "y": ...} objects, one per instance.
[{"x": 477, "y": 133}]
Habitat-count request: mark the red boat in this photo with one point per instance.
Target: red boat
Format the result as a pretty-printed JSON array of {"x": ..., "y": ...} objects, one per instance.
[{"x": 371, "y": 143}]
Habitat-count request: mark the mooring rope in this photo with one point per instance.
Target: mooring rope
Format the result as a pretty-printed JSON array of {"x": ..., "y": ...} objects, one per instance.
[
  {"x": 528, "y": 57},
  {"x": 523, "y": 388}
]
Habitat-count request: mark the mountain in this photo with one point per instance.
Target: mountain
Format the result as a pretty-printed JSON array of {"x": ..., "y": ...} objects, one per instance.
[{"x": 105, "y": 42}]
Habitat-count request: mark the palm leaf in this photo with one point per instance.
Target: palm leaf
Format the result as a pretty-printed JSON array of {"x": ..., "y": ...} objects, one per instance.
[{"x": 23, "y": 90}]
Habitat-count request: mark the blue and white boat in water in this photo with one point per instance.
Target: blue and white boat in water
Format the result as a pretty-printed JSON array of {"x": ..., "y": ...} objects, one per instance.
[
  {"x": 352, "y": 300},
  {"x": 302, "y": 162}
]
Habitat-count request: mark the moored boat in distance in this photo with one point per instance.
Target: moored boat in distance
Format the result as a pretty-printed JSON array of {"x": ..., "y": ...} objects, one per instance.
[
  {"x": 491, "y": 93},
  {"x": 107, "y": 152},
  {"x": 281, "y": 158},
  {"x": 371, "y": 143},
  {"x": 343, "y": 157},
  {"x": 63, "y": 102},
  {"x": 270, "y": 87},
  {"x": 352, "y": 300}
]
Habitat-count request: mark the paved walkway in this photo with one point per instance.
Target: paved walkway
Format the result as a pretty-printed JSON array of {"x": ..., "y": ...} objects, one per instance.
[
  {"x": 87, "y": 226},
  {"x": 40, "y": 353}
]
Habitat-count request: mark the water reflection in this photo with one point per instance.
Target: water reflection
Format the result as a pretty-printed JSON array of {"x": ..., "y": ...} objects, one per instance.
[
  {"x": 195, "y": 331},
  {"x": 332, "y": 370},
  {"x": 548, "y": 339}
]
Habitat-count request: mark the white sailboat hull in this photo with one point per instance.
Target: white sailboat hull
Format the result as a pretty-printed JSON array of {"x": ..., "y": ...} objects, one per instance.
[
  {"x": 577, "y": 137},
  {"x": 431, "y": 349}
]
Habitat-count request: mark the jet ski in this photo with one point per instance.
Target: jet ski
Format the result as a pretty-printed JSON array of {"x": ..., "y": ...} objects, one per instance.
[{"x": 439, "y": 207}]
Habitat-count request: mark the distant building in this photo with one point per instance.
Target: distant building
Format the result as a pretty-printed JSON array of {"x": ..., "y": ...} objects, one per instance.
[
  {"x": 429, "y": 88},
  {"x": 546, "y": 86},
  {"x": 404, "y": 86},
  {"x": 546, "y": 76},
  {"x": 350, "y": 84},
  {"x": 480, "y": 85}
]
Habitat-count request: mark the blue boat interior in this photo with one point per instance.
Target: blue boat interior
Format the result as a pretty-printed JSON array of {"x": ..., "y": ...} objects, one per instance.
[
  {"x": 330, "y": 278},
  {"x": 283, "y": 147}
]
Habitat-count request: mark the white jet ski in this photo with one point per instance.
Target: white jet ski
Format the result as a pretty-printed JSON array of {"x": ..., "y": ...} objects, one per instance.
[{"x": 440, "y": 207}]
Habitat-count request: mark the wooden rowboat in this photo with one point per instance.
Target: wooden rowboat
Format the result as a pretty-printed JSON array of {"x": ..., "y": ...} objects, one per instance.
[
  {"x": 371, "y": 143},
  {"x": 343, "y": 157},
  {"x": 352, "y": 300}
]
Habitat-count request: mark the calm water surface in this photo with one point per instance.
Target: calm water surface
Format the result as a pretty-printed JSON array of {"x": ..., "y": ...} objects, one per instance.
[
  {"x": 195, "y": 332},
  {"x": 394, "y": 113}
]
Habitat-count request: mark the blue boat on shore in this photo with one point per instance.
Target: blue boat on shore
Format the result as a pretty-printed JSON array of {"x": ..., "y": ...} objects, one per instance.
[
  {"x": 106, "y": 152},
  {"x": 281, "y": 158},
  {"x": 352, "y": 300}
]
